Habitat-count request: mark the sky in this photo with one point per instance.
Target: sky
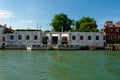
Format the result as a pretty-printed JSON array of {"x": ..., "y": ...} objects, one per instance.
[{"x": 24, "y": 14}]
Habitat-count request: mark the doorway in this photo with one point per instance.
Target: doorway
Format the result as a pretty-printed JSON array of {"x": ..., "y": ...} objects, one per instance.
[{"x": 54, "y": 39}]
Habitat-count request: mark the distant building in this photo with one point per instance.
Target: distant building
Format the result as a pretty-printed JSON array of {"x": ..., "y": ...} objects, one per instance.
[{"x": 112, "y": 31}]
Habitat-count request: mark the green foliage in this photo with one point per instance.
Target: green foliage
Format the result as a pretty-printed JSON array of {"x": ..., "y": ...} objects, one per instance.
[
  {"x": 86, "y": 19},
  {"x": 114, "y": 41},
  {"x": 86, "y": 24},
  {"x": 47, "y": 31},
  {"x": 61, "y": 23},
  {"x": 77, "y": 25}
]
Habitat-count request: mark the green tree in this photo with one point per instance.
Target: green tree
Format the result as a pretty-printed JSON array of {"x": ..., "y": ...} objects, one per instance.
[
  {"x": 77, "y": 25},
  {"x": 88, "y": 27},
  {"x": 47, "y": 31},
  {"x": 61, "y": 23},
  {"x": 87, "y": 24}
]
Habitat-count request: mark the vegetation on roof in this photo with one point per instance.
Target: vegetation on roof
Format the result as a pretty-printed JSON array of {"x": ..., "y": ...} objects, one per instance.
[{"x": 27, "y": 30}]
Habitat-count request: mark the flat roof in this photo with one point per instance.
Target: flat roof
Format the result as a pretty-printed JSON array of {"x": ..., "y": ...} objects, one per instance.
[{"x": 27, "y": 30}]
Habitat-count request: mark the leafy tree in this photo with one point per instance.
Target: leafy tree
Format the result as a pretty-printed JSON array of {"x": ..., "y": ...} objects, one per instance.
[
  {"x": 87, "y": 24},
  {"x": 77, "y": 25},
  {"x": 86, "y": 19},
  {"x": 61, "y": 23},
  {"x": 47, "y": 31}
]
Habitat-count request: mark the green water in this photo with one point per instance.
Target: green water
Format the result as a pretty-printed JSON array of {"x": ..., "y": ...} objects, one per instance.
[{"x": 59, "y": 65}]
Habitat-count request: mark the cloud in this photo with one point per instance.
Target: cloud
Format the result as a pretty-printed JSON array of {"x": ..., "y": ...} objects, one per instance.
[
  {"x": 4, "y": 14},
  {"x": 27, "y": 21}
]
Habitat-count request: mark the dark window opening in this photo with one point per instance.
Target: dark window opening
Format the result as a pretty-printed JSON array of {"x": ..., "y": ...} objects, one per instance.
[
  {"x": 27, "y": 37},
  {"x": 54, "y": 40},
  {"x": 103, "y": 37},
  {"x": 81, "y": 37},
  {"x": 89, "y": 37},
  {"x": 73, "y": 37},
  {"x": 19, "y": 37},
  {"x": 104, "y": 44},
  {"x": 3, "y": 39},
  {"x": 97, "y": 37},
  {"x": 35, "y": 37},
  {"x": 45, "y": 40},
  {"x": 11, "y": 37}
]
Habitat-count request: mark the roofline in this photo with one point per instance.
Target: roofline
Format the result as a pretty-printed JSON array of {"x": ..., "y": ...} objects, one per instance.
[{"x": 27, "y": 30}]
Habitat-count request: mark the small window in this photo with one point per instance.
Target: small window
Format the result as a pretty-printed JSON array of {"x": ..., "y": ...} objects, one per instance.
[
  {"x": 110, "y": 30},
  {"x": 89, "y": 37},
  {"x": 19, "y": 37},
  {"x": 3, "y": 38},
  {"x": 81, "y": 37},
  {"x": 104, "y": 43},
  {"x": 27, "y": 37},
  {"x": 35, "y": 37},
  {"x": 97, "y": 37},
  {"x": 73, "y": 37},
  {"x": 103, "y": 37},
  {"x": 11, "y": 37}
]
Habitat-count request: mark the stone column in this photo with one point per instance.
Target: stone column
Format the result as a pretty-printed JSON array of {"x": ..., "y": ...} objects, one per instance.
[
  {"x": 50, "y": 39},
  {"x": 59, "y": 39}
]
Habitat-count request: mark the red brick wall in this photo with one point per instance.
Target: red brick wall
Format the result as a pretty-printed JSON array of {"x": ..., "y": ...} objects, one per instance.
[{"x": 112, "y": 34}]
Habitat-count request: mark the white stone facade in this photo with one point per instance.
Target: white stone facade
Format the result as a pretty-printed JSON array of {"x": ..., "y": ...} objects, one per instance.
[
  {"x": 22, "y": 38},
  {"x": 35, "y": 38},
  {"x": 87, "y": 39}
]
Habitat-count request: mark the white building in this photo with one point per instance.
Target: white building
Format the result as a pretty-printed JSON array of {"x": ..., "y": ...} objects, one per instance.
[
  {"x": 87, "y": 39},
  {"x": 3, "y": 31},
  {"x": 23, "y": 38},
  {"x": 53, "y": 40}
]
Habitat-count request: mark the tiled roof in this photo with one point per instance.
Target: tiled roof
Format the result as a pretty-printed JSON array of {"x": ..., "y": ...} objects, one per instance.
[
  {"x": 8, "y": 30},
  {"x": 117, "y": 24}
]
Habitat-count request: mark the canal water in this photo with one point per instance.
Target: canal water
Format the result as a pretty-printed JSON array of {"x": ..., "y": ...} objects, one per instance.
[{"x": 59, "y": 65}]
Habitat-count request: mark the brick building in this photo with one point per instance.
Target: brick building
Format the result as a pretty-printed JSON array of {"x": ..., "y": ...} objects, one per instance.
[{"x": 112, "y": 32}]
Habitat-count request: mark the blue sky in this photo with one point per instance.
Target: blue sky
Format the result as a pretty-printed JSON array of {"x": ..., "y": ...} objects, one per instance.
[{"x": 26, "y": 13}]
